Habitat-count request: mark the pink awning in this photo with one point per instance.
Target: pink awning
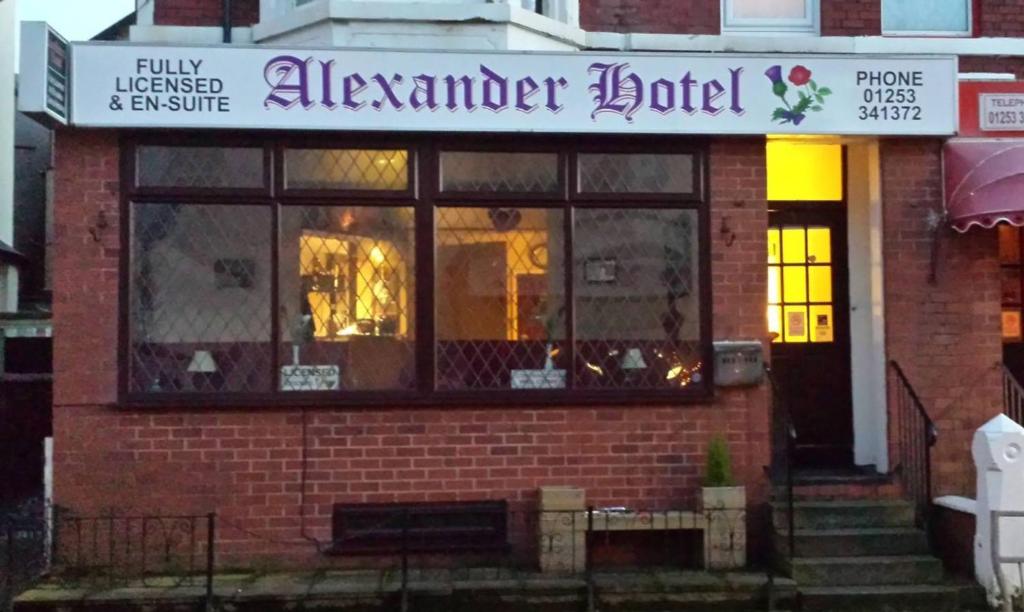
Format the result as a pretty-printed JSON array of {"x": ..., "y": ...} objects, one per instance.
[{"x": 984, "y": 182}]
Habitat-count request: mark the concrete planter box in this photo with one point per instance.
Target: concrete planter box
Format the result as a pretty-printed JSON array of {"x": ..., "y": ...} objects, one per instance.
[{"x": 725, "y": 538}]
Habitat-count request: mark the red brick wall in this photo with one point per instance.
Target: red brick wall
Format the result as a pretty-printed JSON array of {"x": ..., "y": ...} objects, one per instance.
[
  {"x": 988, "y": 63},
  {"x": 946, "y": 335},
  {"x": 1000, "y": 17},
  {"x": 851, "y": 17},
  {"x": 205, "y": 12},
  {"x": 661, "y": 16},
  {"x": 247, "y": 464}
]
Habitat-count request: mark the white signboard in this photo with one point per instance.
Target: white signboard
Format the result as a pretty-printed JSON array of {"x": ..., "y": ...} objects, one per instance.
[
  {"x": 43, "y": 86},
  {"x": 124, "y": 85},
  {"x": 1001, "y": 112},
  {"x": 310, "y": 378}
]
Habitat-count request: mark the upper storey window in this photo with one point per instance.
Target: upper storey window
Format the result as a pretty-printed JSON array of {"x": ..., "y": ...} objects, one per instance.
[
  {"x": 770, "y": 16},
  {"x": 926, "y": 17}
]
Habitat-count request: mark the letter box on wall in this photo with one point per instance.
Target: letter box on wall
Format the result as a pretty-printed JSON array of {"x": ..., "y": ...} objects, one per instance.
[{"x": 738, "y": 363}]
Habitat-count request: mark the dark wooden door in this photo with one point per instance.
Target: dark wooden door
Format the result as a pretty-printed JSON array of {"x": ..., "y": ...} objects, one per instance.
[{"x": 808, "y": 313}]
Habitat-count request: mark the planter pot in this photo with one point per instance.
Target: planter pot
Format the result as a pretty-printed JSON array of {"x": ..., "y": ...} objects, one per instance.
[{"x": 725, "y": 531}]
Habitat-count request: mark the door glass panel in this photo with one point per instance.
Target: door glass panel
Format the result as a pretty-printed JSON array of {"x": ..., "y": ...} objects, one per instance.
[
  {"x": 775, "y": 323},
  {"x": 794, "y": 284},
  {"x": 800, "y": 292},
  {"x": 819, "y": 245},
  {"x": 795, "y": 319},
  {"x": 774, "y": 246},
  {"x": 774, "y": 285},
  {"x": 820, "y": 278},
  {"x": 793, "y": 247},
  {"x": 821, "y": 324}
]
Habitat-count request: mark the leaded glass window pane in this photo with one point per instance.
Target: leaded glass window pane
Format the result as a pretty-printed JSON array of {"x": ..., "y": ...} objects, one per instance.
[
  {"x": 200, "y": 167},
  {"x": 478, "y": 171},
  {"x": 637, "y": 298},
  {"x": 500, "y": 308},
  {"x": 200, "y": 308},
  {"x": 347, "y": 169},
  {"x": 636, "y": 173},
  {"x": 347, "y": 298}
]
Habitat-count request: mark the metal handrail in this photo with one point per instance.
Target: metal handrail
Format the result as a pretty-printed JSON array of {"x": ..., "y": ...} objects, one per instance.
[
  {"x": 1013, "y": 396},
  {"x": 917, "y": 434},
  {"x": 783, "y": 422}
]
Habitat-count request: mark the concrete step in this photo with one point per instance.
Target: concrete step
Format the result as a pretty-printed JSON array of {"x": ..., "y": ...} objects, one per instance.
[
  {"x": 844, "y": 514},
  {"x": 870, "y": 542},
  {"x": 903, "y": 598},
  {"x": 862, "y": 571}
]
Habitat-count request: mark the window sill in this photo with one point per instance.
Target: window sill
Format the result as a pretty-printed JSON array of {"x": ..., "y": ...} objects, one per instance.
[{"x": 403, "y": 400}]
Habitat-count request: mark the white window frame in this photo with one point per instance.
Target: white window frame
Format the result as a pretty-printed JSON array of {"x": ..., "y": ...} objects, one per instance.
[
  {"x": 936, "y": 33},
  {"x": 809, "y": 25}
]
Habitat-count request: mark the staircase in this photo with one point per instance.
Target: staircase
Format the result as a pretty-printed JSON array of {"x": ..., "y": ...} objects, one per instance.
[{"x": 862, "y": 554}]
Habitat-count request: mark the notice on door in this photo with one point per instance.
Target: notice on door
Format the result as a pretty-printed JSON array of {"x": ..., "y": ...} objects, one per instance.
[
  {"x": 822, "y": 328},
  {"x": 796, "y": 324}
]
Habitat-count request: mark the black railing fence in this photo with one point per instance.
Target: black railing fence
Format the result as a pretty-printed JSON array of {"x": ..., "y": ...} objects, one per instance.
[
  {"x": 105, "y": 552},
  {"x": 166, "y": 552},
  {"x": 914, "y": 434},
  {"x": 781, "y": 471},
  {"x": 1013, "y": 396}
]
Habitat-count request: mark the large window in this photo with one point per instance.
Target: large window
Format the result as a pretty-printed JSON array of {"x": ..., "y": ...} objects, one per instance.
[
  {"x": 415, "y": 272},
  {"x": 770, "y": 16},
  {"x": 926, "y": 17},
  {"x": 1011, "y": 264}
]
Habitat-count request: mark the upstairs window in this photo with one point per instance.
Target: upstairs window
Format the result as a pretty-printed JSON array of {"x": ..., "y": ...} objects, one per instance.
[
  {"x": 926, "y": 17},
  {"x": 770, "y": 16}
]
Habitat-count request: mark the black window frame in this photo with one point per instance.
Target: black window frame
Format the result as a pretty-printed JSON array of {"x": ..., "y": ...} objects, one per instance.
[{"x": 424, "y": 195}]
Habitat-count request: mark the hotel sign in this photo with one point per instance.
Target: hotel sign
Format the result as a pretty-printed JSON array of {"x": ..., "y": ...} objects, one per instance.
[
  {"x": 45, "y": 71},
  {"x": 125, "y": 85}
]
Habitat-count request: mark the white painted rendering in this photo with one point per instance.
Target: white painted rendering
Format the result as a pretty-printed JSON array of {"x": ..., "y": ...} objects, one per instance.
[
  {"x": 867, "y": 306},
  {"x": 48, "y": 493},
  {"x": 8, "y": 275},
  {"x": 998, "y": 451}
]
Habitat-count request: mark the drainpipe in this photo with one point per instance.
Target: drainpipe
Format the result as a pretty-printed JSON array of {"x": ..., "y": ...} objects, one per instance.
[{"x": 226, "y": 12}]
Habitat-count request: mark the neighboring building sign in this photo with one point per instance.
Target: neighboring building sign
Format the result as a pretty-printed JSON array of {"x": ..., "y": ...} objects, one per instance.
[
  {"x": 125, "y": 85},
  {"x": 1001, "y": 112},
  {"x": 992, "y": 108},
  {"x": 45, "y": 73}
]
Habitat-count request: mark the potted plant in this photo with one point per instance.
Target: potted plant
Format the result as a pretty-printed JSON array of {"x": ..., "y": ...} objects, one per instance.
[{"x": 725, "y": 510}]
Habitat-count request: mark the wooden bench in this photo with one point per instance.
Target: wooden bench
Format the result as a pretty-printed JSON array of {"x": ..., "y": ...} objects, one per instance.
[{"x": 428, "y": 527}]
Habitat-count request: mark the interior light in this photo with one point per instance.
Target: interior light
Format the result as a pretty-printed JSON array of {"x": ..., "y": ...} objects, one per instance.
[{"x": 376, "y": 256}]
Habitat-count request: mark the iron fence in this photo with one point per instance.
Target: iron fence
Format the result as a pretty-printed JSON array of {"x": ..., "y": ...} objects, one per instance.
[
  {"x": 915, "y": 435},
  {"x": 1013, "y": 397},
  {"x": 100, "y": 553},
  {"x": 105, "y": 552}
]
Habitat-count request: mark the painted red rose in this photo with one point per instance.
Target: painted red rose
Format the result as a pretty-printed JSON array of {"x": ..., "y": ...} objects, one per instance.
[{"x": 799, "y": 75}]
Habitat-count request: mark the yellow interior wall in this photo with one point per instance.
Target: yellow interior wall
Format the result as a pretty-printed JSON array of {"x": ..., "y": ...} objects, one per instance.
[
  {"x": 799, "y": 171},
  {"x": 517, "y": 246}
]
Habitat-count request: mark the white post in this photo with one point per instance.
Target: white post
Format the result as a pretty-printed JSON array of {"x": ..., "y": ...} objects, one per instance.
[
  {"x": 998, "y": 452},
  {"x": 48, "y": 497}
]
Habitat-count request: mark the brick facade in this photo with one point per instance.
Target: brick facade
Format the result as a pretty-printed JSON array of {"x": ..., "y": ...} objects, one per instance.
[
  {"x": 248, "y": 464},
  {"x": 945, "y": 334},
  {"x": 851, "y": 17},
  {"x": 656, "y": 16},
  {"x": 205, "y": 12}
]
